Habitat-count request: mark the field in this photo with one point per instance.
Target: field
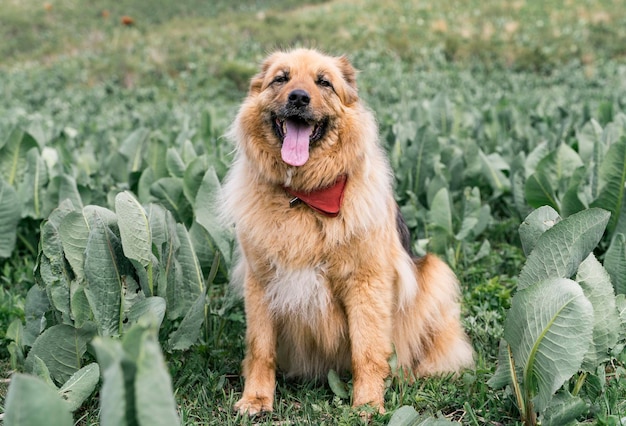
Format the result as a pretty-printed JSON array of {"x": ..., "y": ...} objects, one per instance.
[{"x": 113, "y": 115}]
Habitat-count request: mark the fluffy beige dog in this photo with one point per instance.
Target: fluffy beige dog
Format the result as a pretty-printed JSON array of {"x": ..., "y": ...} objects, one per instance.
[{"x": 329, "y": 281}]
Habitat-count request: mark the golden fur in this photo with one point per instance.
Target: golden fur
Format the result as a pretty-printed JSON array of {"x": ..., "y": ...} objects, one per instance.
[{"x": 330, "y": 292}]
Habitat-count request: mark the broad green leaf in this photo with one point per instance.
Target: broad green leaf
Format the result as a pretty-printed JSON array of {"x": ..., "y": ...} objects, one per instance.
[
  {"x": 61, "y": 347},
  {"x": 117, "y": 406},
  {"x": 534, "y": 157},
  {"x": 62, "y": 187},
  {"x": 615, "y": 263},
  {"x": 10, "y": 214},
  {"x": 494, "y": 175},
  {"x": 535, "y": 224},
  {"x": 418, "y": 158},
  {"x": 540, "y": 192},
  {"x": 31, "y": 402},
  {"x": 476, "y": 217},
  {"x": 559, "y": 165},
  {"x": 337, "y": 385},
  {"x": 441, "y": 113},
  {"x": 74, "y": 235},
  {"x": 40, "y": 370},
  {"x": 563, "y": 410},
  {"x": 35, "y": 309},
  {"x": 151, "y": 306},
  {"x": 571, "y": 202},
  {"x": 79, "y": 304},
  {"x": 440, "y": 215},
  {"x": 80, "y": 386},
  {"x": 560, "y": 249},
  {"x": 588, "y": 137},
  {"x": 188, "y": 332},
  {"x": 13, "y": 156},
  {"x": 596, "y": 285},
  {"x": 103, "y": 273},
  {"x": 182, "y": 293},
  {"x": 155, "y": 403},
  {"x": 157, "y": 151},
  {"x": 31, "y": 189},
  {"x": 505, "y": 372},
  {"x": 408, "y": 416},
  {"x": 206, "y": 208},
  {"x": 175, "y": 165},
  {"x": 193, "y": 176},
  {"x": 133, "y": 148},
  {"x": 134, "y": 228},
  {"x": 169, "y": 192},
  {"x": 549, "y": 329},
  {"x": 612, "y": 195}
]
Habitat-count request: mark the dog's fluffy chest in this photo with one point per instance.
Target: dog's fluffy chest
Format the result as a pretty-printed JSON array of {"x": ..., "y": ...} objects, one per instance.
[{"x": 301, "y": 293}]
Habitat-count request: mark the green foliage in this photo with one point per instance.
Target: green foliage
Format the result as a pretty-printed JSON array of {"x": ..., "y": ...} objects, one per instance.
[
  {"x": 558, "y": 326},
  {"x": 137, "y": 388}
]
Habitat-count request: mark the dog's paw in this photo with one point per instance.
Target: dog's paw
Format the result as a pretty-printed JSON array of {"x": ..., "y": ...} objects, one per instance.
[{"x": 253, "y": 405}]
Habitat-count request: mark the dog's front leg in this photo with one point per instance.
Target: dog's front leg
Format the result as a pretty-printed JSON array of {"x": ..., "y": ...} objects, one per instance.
[
  {"x": 369, "y": 322},
  {"x": 259, "y": 365}
]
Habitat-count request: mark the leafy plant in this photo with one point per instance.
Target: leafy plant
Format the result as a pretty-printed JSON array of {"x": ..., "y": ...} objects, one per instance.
[{"x": 563, "y": 318}]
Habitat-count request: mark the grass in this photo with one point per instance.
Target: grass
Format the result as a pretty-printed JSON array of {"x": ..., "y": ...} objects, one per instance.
[{"x": 73, "y": 66}]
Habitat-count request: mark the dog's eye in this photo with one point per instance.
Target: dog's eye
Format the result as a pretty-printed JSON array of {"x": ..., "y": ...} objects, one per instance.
[
  {"x": 321, "y": 81},
  {"x": 282, "y": 78}
]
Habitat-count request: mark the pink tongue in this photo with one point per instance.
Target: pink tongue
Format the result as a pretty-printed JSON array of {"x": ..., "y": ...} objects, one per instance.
[{"x": 295, "y": 150}]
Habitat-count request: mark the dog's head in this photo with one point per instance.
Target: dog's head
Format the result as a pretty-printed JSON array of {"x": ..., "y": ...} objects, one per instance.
[{"x": 298, "y": 99}]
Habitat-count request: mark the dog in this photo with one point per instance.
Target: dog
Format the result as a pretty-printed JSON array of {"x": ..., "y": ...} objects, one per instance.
[{"x": 329, "y": 280}]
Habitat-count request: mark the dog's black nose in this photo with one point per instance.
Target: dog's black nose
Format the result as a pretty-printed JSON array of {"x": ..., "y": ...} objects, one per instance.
[{"x": 299, "y": 98}]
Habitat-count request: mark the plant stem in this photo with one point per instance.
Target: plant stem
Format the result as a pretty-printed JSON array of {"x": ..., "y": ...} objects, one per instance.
[{"x": 579, "y": 383}]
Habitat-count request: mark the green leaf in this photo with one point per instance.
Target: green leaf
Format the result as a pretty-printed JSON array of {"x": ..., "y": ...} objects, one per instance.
[
  {"x": 61, "y": 347},
  {"x": 404, "y": 416},
  {"x": 440, "y": 214},
  {"x": 596, "y": 285},
  {"x": 31, "y": 189},
  {"x": 190, "y": 327},
  {"x": 564, "y": 410},
  {"x": 153, "y": 307},
  {"x": 337, "y": 385},
  {"x": 175, "y": 165},
  {"x": 169, "y": 192},
  {"x": 539, "y": 191},
  {"x": 31, "y": 402},
  {"x": 133, "y": 147},
  {"x": 13, "y": 156},
  {"x": 80, "y": 386},
  {"x": 560, "y": 249},
  {"x": 103, "y": 272},
  {"x": 494, "y": 175},
  {"x": 134, "y": 228},
  {"x": 505, "y": 372},
  {"x": 117, "y": 404},
  {"x": 535, "y": 224},
  {"x": 10, "y": 214},
  {"x": 155, "y": 403},
  {"x": 182, "y": 293},
  {"x": 206, "y": 208},
  {"x": 549, "y": 329},
  {"x": 74, "y": 235},
  {"x": 615, "y": 263},
  {"x": 35, "y": 309},
  {"x": 612, "y": 195}
]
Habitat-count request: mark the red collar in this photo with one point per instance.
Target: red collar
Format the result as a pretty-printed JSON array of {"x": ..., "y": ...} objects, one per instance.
[{"x": 326, "y": 201}]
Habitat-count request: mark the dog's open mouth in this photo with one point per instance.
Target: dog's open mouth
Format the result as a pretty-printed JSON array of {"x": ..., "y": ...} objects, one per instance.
[{"x": 297, "y": 135}]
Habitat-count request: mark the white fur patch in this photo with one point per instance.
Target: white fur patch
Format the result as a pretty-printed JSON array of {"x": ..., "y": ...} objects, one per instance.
[
  {"x": 407, "y": 285},
  {"x": 301, "y": 293}
]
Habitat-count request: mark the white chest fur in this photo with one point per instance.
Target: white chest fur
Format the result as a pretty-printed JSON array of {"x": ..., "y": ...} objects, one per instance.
[{"x": 302, "y": 293}]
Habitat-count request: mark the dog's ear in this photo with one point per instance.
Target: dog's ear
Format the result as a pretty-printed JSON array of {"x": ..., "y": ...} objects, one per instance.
[
  {"x": 349, "y": 93},
  {"x": 256, "y": 84}
]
